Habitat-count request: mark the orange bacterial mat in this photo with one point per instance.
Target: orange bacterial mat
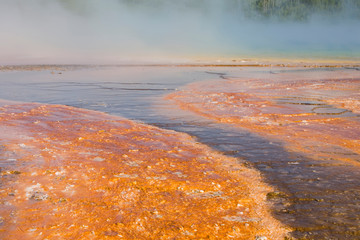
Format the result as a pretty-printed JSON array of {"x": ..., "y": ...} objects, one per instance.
[
  {"x": 69, "y": 173},
  {"x": 315, "y": 113}
]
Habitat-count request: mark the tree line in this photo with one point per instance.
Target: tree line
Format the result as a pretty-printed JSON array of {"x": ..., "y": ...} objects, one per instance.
[
  {"x": 283, "y": 10},
  {"x": 301, "y": 9}
]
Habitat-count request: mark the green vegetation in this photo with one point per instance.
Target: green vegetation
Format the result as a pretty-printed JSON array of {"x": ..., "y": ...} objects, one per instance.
[
  {"x": 301, "y": 9},
  {"x": 289, "y": 10},
  {"x": 294, "y": 10}
]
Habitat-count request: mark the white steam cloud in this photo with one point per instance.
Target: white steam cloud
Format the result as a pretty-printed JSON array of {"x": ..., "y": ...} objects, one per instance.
[{"x": 114, "y": 31}]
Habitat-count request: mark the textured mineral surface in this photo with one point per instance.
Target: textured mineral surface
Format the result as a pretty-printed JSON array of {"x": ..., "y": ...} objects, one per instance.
[
  {"x": 312, "y": 112},
  {"x": 69, "y": 173}
]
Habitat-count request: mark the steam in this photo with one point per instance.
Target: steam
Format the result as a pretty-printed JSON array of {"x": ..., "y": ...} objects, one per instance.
[{"x": 117, "y": 31}]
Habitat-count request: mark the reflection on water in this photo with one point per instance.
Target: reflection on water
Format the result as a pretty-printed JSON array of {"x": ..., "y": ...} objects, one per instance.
[
  {"x": 316, "y": 106},
  {"x": 319, "y": 198}
]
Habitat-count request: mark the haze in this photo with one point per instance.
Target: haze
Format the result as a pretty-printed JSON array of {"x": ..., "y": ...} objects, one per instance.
[{"x": 114, "y": 31}]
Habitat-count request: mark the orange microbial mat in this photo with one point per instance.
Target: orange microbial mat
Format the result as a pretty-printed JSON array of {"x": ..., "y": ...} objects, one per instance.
[
  {"x": 311, "y": 112},
  {"x": 68, "y": 173}
]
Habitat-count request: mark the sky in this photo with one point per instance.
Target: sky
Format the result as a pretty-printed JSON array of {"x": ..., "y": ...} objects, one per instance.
[{"x": 115, "y": 32}]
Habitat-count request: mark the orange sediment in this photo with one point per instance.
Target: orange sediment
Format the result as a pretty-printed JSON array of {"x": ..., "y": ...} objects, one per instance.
[
  {"x": 316, "y": 113},
  {"x": 68, "y": 173}
]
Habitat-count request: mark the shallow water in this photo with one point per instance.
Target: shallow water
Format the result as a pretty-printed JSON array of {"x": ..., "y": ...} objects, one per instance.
[
  {"x": 319, "y": 198},
  {"x": 99, "y": 175}
]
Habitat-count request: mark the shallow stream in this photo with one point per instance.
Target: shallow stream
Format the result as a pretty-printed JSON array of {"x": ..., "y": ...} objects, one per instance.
[{"x": 320, "y": 199}]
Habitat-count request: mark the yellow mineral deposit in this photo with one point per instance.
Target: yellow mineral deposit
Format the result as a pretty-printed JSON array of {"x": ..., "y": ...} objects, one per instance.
[
  {"x": 312, "y": 112},
  {"x": 68, "y": 173}
]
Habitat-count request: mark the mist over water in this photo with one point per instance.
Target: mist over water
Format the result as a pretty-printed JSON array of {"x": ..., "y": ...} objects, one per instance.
[{"x": 118, "y": 31}]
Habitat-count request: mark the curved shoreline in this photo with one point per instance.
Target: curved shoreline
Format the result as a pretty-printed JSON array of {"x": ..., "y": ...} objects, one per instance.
[
  {"x": 69, "y": 172},
  {"x": 317, "y": 190},
  {"x": 313, "y": 116},
  {"x": 300, "y": 110}
]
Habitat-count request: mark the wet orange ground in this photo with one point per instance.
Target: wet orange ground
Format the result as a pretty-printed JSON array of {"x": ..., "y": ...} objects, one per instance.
[
  {"x": 68, "y": 173},
  {"x": 312, "y": 112}
]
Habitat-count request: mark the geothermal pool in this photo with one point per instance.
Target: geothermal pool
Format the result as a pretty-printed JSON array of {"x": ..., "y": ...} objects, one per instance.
[{"x": 298, "y": 126}]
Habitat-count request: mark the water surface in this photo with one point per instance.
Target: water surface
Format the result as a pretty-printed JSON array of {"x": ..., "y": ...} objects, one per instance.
[{"x": 318, "y": 198}]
